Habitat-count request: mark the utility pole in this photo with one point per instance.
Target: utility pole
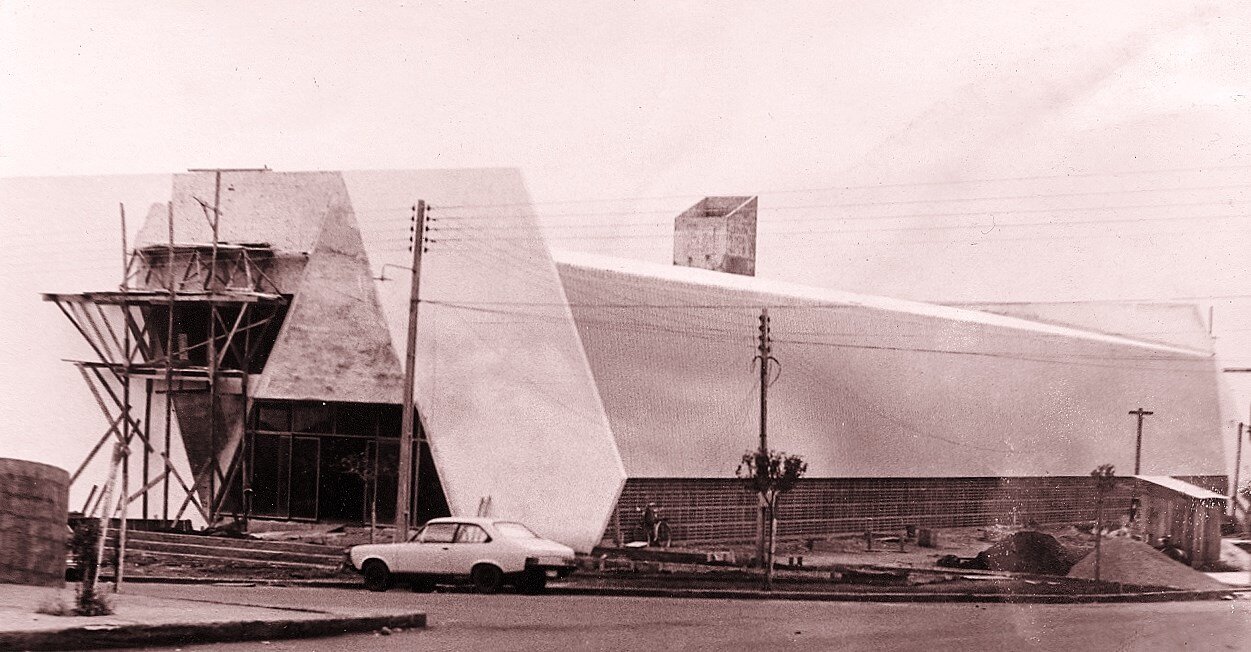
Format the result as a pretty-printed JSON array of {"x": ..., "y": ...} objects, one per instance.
[
  {"x": 1233, "y": 492},
  {"x": 1138, "y": 446},
  {"x": 1133, "y": 500},
  {"x": 403, "y": 510},
  {"x": 764, "y": 356}
]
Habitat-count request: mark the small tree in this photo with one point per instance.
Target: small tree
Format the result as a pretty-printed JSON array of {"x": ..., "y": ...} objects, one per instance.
[
  {"x": 362, "y": 466},
  {"x": 1105, "y": 480},
  {"x": 90, "y": 602},
  {"x": 770, "y": 474}
]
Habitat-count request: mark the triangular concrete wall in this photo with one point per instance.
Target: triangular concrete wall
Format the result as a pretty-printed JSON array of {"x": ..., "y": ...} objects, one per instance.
[
  {"x": 334, "y": 344},
  {"x": 503, "y": 385}
]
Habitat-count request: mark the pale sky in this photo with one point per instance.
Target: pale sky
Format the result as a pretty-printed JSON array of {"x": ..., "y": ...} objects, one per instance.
[{"x": 952, "y": 151}]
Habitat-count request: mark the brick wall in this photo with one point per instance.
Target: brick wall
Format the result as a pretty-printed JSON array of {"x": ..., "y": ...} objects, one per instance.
[
  {"x": 33, "y": 513},
  {"x": 704, "y": 509}
]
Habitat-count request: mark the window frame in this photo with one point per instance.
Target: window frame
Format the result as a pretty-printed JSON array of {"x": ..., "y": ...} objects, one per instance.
[
  {"x": 420, "y": 537},
  {"x": 465, "y": 526}
]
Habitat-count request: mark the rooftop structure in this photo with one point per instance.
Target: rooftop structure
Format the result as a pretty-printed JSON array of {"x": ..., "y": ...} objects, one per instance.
[{"x": 717, "y": 233}]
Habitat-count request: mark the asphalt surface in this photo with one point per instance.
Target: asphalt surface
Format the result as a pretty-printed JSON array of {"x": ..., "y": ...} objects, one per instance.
[{"x": 514, "y": 622}]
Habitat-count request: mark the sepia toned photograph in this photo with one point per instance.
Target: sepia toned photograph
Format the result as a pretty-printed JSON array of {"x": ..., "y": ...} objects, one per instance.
[{"x": 474, "y": 325}]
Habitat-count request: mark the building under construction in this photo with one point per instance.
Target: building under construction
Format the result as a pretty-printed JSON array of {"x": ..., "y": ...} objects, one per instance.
[{"x": 250, "y": 363}]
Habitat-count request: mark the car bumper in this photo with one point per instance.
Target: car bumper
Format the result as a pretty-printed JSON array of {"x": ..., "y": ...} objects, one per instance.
[{"x": 551, "y": 567}]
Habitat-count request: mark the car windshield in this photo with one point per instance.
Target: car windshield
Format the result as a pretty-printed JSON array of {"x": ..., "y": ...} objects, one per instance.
[{"x": 515, "y": 530}]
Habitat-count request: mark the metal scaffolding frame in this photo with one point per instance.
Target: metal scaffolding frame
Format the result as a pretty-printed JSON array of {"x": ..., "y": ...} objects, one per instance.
[{"x": 132, "y": 332}]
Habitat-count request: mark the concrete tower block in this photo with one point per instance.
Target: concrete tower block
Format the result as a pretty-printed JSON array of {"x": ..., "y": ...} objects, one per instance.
[
  {"x": 33, "y": 511},
  {"x": 717, "y": 233}
]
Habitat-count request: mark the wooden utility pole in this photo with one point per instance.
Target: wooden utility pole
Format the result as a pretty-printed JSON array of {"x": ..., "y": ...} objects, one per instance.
[
  {"x": 1233, "y": 492},
  {"x": 119, "y": 560},
  {"x": 1138, "y": 446},
  {"x": 214, "y": 468},
  {"x": 764, "y": 356},
  {"x": 403, "y": 510},
  {"x": 764, "y": 349},
  {"x": 125, "y": 256}
]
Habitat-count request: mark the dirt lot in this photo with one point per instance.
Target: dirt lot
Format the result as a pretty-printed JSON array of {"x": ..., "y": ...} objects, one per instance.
[{"x": 962, "y": 542}]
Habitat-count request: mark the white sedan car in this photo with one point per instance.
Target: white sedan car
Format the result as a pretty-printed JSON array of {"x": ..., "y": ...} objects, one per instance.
[{"x": 487, "y": 551}]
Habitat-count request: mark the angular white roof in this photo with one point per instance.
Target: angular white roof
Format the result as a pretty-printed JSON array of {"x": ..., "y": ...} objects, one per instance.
[{"x": 874, "y": 387}]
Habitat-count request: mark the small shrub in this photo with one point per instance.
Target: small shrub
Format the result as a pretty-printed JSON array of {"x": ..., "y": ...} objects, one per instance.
[
  {"x": 55, "y": 606},
  {"x": 83, "y": 547},
  {"x": 92, "y": 603}
]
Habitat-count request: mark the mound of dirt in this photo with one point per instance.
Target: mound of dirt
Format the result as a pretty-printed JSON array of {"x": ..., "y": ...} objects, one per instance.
[
  {"x": 1029, "y": 552},
  {"x": 1134, "y": 562}
]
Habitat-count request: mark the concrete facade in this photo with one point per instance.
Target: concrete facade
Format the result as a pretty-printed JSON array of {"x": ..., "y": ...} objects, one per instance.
[
  {"x": 717, "y": 233},
  {"x": 33, "y": 512}
]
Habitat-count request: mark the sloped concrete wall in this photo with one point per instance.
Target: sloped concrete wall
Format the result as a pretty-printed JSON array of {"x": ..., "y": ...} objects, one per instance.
[{"x": 34, "y": 503}]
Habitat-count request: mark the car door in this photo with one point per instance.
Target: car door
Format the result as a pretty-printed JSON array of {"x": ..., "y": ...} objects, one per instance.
[
  {"x": 472, "y": 544},
  {"x": 429, "y": 551}
]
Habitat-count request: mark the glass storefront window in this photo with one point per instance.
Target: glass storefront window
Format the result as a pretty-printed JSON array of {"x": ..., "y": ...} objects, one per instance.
[
  {"x": 273, "y": 416},
  {"x": 299, "y": 470},
  {"x": 356, "y": 419},
  {"x": 312, "y": 417}
]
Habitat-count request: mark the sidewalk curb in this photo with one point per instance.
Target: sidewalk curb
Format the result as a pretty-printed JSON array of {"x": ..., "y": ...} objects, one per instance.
[
  {"x": 813, "y": 596},
  {"x": 803, "y": 596},
  {"x": 234, "y": 581},
  {"x": 139, "y": 635}
]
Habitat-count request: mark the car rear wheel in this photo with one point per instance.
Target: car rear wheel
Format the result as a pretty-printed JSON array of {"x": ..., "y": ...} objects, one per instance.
[
  {"x": 487, "y": 578},
  {"x": 532, "y": 582},
  {"x": 377, "y": 576}
]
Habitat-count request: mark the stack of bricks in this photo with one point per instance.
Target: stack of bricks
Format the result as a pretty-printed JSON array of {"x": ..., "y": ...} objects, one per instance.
[{"x": 33, "y": 512}]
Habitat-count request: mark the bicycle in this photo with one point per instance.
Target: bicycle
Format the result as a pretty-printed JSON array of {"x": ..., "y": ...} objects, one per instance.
[{"x": 659, "y": 533}]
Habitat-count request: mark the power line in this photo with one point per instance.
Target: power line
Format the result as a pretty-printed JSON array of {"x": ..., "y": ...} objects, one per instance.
[
  {"x": 806, "y": 232},
  {"x": 877, "y": 186},
  {"x": 451, "y": 223}
]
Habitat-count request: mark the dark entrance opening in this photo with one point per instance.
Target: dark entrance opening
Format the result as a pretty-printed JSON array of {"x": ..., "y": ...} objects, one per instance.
[
  {"x": 343, "y": 492},
  {"x": 327, "y": 462}
]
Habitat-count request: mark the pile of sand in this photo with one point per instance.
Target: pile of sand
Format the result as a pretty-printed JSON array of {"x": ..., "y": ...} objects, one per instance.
[
  {"x": 1134, "y": 562},
  {"x": 1029, "y": 552}
]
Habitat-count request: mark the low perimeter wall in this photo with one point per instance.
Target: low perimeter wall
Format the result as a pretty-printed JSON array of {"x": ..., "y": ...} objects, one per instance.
[
  {"x": 33, "y": 512},
  {"x": 711, "y": 509}
]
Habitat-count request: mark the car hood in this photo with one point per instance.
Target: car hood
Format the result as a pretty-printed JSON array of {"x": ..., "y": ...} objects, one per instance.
[{"x": 369, "y": 548}]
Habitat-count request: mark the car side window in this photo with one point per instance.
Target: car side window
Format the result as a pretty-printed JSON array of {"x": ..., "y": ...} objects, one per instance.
[
  {"x": 472, "y": 534},
  {"x": 438, "y": 533}
]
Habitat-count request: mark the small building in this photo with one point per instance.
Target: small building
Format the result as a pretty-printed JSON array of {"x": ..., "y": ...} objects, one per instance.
[
  {"x": 1189, "y": 516},
  {"x": 717, "y": 233}
]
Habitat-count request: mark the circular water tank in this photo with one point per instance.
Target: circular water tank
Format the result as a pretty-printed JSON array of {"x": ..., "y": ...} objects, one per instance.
[{"x": 34, "y": 503}]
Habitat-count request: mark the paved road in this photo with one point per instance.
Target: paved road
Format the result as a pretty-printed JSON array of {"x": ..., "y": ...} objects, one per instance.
[{"x": 512, "y": 622}]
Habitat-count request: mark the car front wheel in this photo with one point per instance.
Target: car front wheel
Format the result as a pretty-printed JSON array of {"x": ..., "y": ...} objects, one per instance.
[
  {"x": 487, "y": 578},
  {"x": 377, "y": 576}
]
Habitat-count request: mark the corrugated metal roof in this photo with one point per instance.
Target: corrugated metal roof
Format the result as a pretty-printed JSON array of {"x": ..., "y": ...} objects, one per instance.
[{"x": 1181, "y": 487}]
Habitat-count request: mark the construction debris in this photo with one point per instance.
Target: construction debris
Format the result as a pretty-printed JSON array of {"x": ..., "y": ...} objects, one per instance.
[
  {"x": 1133, "y": 562},
  {"x": 1029, "y": 552}
]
